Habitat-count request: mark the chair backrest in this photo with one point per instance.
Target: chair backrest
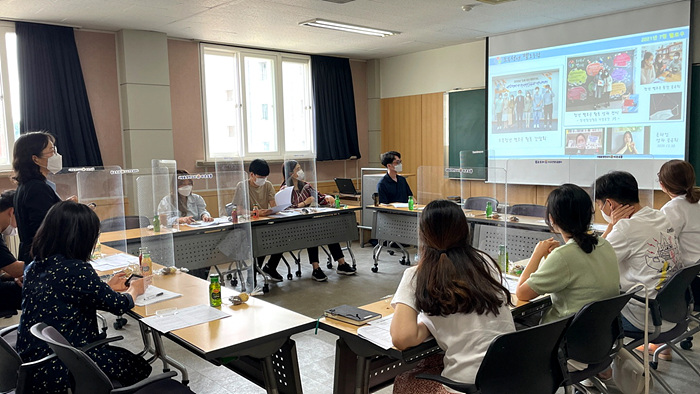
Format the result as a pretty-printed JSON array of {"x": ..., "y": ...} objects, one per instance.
[
  {"x": 10, "y": 363},
  {"x": 479, "y": 203},
  {"x": 528, "y": 210},
  {"x": 525, "y": 361},
  {"x": 595, "y": 330},
  {"x": 675, "y": 297},
  {"x": 88, "y": 377},
  {"x": 124, "y": 223}
]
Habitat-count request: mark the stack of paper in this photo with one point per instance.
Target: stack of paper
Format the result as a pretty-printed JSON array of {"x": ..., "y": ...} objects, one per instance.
[
  {"x": 153, "y": 295},
  {"x": 186, "y": 317},
  {"x": 378, "y": 332},
  {"x": 113, "y": 262}
]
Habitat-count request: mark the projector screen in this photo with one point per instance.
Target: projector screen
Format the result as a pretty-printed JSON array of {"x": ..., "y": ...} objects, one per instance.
[{"x": 567, "y": 103}]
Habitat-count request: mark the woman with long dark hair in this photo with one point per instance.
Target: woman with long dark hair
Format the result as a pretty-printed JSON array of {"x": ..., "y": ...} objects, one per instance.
[
  {"x": 63, "y": 290},
  {"x": 582, "y": 270},
  {"x": 34, "y": 157},
  {"x": 303, "y": 195},
  {"x": 677, "y": 179},
  {"x": 458, "y": 291},
  {"x": 190, "y": 206}
]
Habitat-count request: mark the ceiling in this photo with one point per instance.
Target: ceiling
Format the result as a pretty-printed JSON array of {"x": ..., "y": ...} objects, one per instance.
[{"x": 274, "y": 24}]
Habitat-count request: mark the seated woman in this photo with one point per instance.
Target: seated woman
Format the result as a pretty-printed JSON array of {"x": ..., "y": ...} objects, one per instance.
[
  {"x": 62, "y": 290},
  {"x": 190, "y": 207},
  {"x": 581, "y": 271},
  {"x": 459, "y": 292},
  {"x": 302, "y": 196}
]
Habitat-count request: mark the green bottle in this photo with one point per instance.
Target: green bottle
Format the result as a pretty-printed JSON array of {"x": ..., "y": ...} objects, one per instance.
[
  {"x": 410, "y": 203},
  {"x": 489, "y": 209},
  {"x": 503, "y": 259},
  {"x": 156, "y": 224},
  {"x": 337, "y": 201},
  {"x": 214, "y": 291}
]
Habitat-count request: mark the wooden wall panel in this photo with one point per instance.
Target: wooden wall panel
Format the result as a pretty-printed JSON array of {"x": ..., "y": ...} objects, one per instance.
[
  {"x": 401, "y": 131},
  {"x": 432, "y": 130}
]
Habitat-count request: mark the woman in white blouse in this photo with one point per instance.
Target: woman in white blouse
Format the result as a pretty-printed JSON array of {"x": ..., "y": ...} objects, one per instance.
[{"x": 677, "y": 179}]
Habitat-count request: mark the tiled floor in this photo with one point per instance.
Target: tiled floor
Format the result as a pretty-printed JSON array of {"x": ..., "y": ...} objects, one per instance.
[{"x": 316, "y": 352}]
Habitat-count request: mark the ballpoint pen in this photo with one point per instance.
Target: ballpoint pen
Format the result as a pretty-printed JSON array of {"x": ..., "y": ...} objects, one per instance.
[{"x": 152, "y": 296}]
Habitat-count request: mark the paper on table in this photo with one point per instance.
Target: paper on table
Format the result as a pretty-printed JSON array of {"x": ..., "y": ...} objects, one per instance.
[
  {"x": 182, "y": 318},
  {"x": 115, "y": 261},
  {"x": 510, "y": 282},
  {"x": 283, "y": 199},
  {"x": 378, "y": 332},
  {"x": 399, "y": 204},
  {"x": 154, "y": 294}
]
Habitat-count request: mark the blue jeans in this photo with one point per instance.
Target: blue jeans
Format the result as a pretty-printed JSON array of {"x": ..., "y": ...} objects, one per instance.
[{"x": 629, "y": 327}]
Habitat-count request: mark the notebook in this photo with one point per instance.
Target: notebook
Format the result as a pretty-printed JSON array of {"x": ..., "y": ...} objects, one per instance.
[
  {"x": 351, "y": 314},
  {"x": 345, "y": 186}
]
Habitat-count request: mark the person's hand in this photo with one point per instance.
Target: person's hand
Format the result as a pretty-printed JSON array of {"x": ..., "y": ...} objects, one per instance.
[
  {"x": 621, "y": 212},
  {"x": 136, "y": 287},
  {"x": 265, "y": 212},
  {"x": 330, "y": 199},
  {"x": 283, "y": 187},
  {"x": 207, "y": 218},
  {"x": 73, "y": 198},
  {"x": 546, "y": 247},
  {"x": 118, "y": 282},
  {"x": 20, "y": 281},
  {"x": 185, "y": 220}
]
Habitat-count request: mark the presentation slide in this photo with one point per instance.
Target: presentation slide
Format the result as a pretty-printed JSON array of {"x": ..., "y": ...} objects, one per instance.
[{"x": 608, "y": 99}]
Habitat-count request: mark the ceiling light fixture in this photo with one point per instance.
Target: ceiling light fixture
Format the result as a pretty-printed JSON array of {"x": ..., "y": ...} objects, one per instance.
[{"x": 348, "y": 28}]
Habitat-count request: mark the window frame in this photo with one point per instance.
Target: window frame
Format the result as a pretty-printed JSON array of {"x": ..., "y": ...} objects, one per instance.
[
  {"x": 278, "y": 58},
  {"x": 5, "y": 94}
]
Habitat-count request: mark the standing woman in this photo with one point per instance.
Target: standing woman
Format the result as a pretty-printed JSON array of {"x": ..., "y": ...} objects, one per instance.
[
  {"x": 35, "y": 156},
  {"x": 62, "y": 289},
  {"x": 677, "y": 179},
  {"x": 458, "y": 290},
  {"x": 302, "y": 196}
]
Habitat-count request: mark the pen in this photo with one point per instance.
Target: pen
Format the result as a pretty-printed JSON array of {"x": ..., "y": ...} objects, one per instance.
[{"x": 153, "y": 296}]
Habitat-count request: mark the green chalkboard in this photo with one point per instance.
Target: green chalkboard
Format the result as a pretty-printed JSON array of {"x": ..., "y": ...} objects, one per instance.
[
  {"x": 694, "y": 118},
  {"x": 467, "y": 129}
]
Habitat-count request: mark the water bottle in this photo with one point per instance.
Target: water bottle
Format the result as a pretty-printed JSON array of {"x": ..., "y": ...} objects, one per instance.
[
  {"x": 214, "y": 290},
  {"x": 156, "y": 224},
  {"x": 410, "y": 203},
  {"x": 489, "y": 209},
  {"x": 234, "y": 214},
  {"x": 337, "y": 201},
  {"x": 502, "y": 258}
]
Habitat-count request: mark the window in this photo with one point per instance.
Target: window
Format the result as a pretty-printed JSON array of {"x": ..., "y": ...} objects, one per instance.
[
  {"x": 9, "y": 94},
  {"x": 256, "y": 103}
]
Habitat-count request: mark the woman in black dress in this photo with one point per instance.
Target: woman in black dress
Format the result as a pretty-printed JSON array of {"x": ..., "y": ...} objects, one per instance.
[{"x": 62, "y": 290}]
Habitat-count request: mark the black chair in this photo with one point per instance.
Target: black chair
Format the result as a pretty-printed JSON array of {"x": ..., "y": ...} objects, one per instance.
[
  {"x": 92, "y": 380},
  {"x": 526, "y": 361},
  {"x": 124, "y": 223},
  {"x": 528, "y": 210},
  {"x": 479, "y": 203},
  {"x": 673, "y": 303},
  {"x": 594, "y": 337},
  {"x": 14, "y": 374},
  {"x": 687, "y": 342}
]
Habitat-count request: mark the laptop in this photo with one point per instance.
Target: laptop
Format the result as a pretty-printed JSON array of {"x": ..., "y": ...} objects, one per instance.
[{"x": 345, "y": 186}]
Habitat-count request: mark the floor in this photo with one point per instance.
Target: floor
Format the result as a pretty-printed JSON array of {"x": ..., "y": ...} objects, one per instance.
[{"x": 316, "y": 351}]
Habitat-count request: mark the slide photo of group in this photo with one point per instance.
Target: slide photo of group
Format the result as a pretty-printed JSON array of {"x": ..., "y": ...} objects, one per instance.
[
  {"x": 599, "y": 81},
  {"x": 584, "y": 141},
  {"x": 662, "y": 63},
  {"x": 525, "y": 102},
  {"x": 631, "y": 140}
]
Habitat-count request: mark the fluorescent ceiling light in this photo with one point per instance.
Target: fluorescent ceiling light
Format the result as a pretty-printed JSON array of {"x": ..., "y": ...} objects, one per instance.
[{"x": 348, "y": 28}]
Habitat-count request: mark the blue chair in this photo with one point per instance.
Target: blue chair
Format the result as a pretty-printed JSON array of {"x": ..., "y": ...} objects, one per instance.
[{"x": 479, "y": 203}]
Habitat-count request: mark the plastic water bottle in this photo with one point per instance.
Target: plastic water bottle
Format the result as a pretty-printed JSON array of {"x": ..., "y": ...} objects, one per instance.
[
  {"x": 410, "y": 203},
  {"x": 337, "y": 201},
  {"x": 214, "y": 290},
  {"x": 156, "y": 224},
  {"x": 503, "y": 258},
  {"x": 489, "y": 209}
]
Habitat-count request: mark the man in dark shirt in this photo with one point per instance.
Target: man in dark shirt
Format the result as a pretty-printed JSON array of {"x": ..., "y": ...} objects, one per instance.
[
  {"x": 11, "y": 270},
  {"x": 393, "y": 187}
]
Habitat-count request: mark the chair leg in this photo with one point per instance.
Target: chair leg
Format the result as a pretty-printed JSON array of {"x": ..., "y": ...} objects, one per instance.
[
  {"x": 352, "y": 255},
  {"x": 673, "y": 347},
  {"x": 653, "y": 373}
]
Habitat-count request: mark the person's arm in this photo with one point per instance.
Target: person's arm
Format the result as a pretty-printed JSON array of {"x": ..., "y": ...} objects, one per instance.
[
  {"x": 13, "y": 270},
  {"x": 405, "y": 329},
  {"x": 39, "y": 198},
  {"x": 91, "y": 290},
  {"x": 383, "y": 193},
  {"x": 201, "y": 208},
  {"x": 621, "y": 212},
  {"x": 167, "y": 209},
  {"x": 543, "y": 249}
]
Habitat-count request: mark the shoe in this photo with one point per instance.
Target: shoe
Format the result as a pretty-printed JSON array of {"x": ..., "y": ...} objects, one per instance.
[
  {"x": 664, "y": 355},
  {"x": 345, "y": 269},
  {"x": 318, "y": 275},
  {"x": 272, "y": 273}
]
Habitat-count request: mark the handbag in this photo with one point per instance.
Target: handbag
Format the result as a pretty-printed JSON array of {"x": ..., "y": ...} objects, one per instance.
[{"x": 628, "y": 373}]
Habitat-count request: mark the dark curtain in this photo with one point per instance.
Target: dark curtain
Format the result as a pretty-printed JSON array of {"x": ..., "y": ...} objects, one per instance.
[
  {"x": 52, "y": 92},
  {"x": 334, "y": 102}
]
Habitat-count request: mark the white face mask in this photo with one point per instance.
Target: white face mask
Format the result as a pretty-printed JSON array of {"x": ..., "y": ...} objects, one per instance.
[
  {"x": 185, "y": 190},
  {"x": 606, "y": 217},
  {"x": 10, "y": 231},
  {"x": 398, "y": 167},
  {"x": 260, "y": 181},
  {"x": 55, "y": 163},
  {"x": 300, "y": 175}
]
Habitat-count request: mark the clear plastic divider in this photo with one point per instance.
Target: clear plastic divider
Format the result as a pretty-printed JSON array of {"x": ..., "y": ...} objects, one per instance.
[{"x": 299, "y": 173}]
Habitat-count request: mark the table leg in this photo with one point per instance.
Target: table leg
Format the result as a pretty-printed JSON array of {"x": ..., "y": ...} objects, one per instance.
[
  {"x": 159, "y": 353},
  {"x": 346, "y": 365},
  {"x": 352, "y": 255}
]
